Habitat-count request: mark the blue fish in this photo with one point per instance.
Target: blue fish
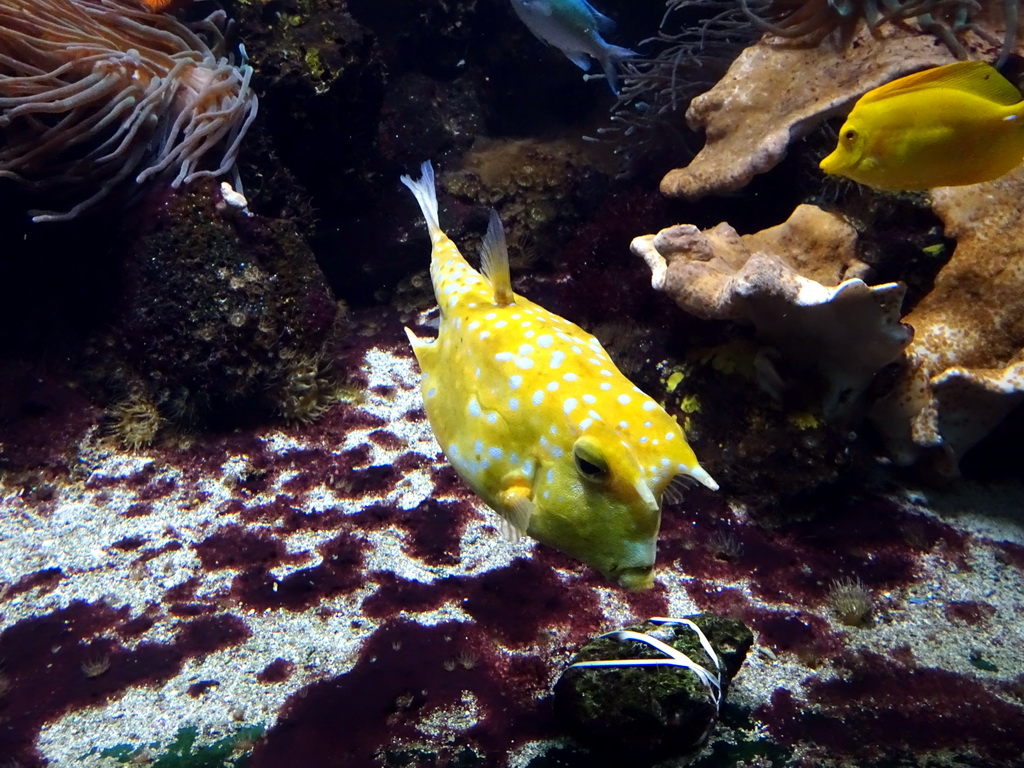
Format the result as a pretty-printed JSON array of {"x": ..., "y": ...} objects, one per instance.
[{"x": 574, "y": 27}]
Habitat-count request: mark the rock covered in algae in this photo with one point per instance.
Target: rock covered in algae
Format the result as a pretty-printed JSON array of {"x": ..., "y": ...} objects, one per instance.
[
  {"x": 799, "y": 284},
  {"x": 649, "y": 712},
  {"x": 221, "y": 313},
  {"x": 965, "y": 369}
]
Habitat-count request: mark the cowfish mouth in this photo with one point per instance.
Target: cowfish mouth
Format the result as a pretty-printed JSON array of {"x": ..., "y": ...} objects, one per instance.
[{"x": 637, "y": 578}]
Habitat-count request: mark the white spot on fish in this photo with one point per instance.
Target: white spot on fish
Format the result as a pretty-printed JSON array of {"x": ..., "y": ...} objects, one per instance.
[
  {"x": 585, "y": 424},
  {"x": 500, "y": 324},
  {"x": 525, "y": 349},
  {"x": 605, "y": 386},
  {"x": 624, "y": 425},
  {"x": 492, "y": 418},
  {"x": 490, "y": 316},
  {"x": 515, "y": 381},
  {"x": 478, "y": 446},
  {"x": 570, "y": 405},
  {"x": 551, "y": 475},
  {"x": 552, "y": 386},
  {"x": 649, "y": 405},
  {"x": 557, "y": 358},
  {"x": 496, "y": 453},
  {"x": 570, "y": 377},
  {"x": 538, "y": 397},
  {"x": 624, "y": 399},
  {"x": 474, "y": 408},
  {"x": 528, "y": 467},
  {"x": 576, "y": 349},
  {"x": 524, "y": 362},
  {"x": 503, "y": 357},
  {"x": 557, "y": 452},
  {"x": 432, "y": 392},
  {"x": 605, "y": 372},
  {"x": 588, "y": 399},
  {"x": 484, "y": 335},
  {"x": 670, "y": 435},
  {"x": 474, "y": 325},
  {"x": 648, "y": 425},
  {"x": 513, "y": 404}
]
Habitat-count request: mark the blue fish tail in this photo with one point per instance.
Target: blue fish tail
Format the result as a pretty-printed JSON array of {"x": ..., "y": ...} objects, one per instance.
[{"x": 610, "y": 57}]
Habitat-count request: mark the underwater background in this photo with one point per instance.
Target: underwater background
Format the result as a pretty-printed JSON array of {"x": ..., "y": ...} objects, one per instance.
[{"x": 228, "y": 534}]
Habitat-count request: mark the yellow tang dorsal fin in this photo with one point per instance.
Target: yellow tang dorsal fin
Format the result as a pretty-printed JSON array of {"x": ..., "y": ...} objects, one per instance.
[
  {"x": 494, "y": 261},
  {"x": 974, "y": 77}
]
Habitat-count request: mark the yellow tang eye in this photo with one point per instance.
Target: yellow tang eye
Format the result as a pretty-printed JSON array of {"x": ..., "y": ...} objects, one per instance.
[{"x": 589, "y": 459}]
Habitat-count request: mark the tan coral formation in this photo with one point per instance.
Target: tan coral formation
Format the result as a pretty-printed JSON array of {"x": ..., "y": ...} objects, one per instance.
[
  {"x": 775, "y": 94},
  {"x": 965, "y": 368},
  {"x": 799, "y": 284}
]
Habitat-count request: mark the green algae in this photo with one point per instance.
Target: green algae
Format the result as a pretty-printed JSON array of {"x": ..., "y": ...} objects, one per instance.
[{"x": 182, "y": 751}]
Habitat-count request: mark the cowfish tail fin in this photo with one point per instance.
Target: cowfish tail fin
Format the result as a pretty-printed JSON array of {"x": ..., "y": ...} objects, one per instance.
[
  {"x": 494, "y": 261},
  {"x": 426, "y": 195},
  {"x": 610, "y": 57}
]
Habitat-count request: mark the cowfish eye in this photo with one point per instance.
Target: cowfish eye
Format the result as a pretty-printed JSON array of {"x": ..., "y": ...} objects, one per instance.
[
  {"x": 849, "y": 135},
  {"x": 590, "y": 461}
]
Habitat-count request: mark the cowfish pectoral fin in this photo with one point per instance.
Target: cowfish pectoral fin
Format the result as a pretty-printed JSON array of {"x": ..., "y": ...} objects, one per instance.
[{"x": 516, "y": 511}]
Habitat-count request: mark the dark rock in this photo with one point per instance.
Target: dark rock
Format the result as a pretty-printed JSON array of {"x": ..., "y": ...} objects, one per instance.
[{"x": 649, "y": 712}]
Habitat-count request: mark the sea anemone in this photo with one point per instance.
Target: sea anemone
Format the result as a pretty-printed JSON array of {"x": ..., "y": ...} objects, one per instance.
[
  {"x": 811, "y": 21},
  {"x": 694, "y": 46},
  {"x": 93, "y": 92}
]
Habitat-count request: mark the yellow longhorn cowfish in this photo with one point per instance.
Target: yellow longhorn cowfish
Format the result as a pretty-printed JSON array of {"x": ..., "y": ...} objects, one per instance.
[
  {"x": 958, "y": 124},
  {"x": 534, "y": 416}
]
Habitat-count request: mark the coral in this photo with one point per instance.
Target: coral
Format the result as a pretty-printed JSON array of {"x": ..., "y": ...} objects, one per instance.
[
  {"x": 797, "y": 284},
  {"x": 773, "y": 95},
  {"x": 964, "y": 370},
  {"x": 94, "y": 92}
]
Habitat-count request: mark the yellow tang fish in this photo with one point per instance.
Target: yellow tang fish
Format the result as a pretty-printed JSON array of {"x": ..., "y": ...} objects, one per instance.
[
  {"x": 952, "y": 125},
  {"x": 535, "y": 417}
]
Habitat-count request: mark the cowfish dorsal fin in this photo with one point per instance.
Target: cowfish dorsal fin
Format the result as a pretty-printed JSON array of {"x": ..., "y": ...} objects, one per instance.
[
  {"x": 974, "y": 77},
  {"x": 494, "y": 261}
]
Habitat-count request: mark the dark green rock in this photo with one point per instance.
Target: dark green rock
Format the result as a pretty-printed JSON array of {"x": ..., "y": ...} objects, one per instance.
[{"x": 649, "y": 712}]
